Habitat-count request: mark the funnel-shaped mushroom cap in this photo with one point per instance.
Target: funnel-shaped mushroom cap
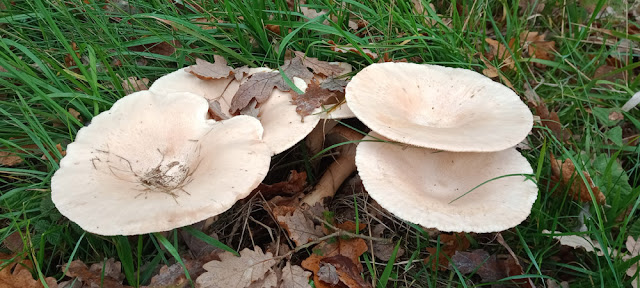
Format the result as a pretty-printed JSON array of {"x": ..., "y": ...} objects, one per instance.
[
  {"x": 155, "y": 162},
  {"x": 419, "y": 185},
  {"x": 438, "y": 107},
  {"x": 282, "y": 125}
]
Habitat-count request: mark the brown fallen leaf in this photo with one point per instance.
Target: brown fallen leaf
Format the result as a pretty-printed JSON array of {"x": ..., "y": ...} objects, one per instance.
[
  {"x": 552, "y": 121},
  {"x": 347, "y": 271},
  {"x": 8, "y": 158},
  {"x": 300, "y": 227},
  {"x": 232, "y": 271},
  {"x": 318, "y": 66},
  {"x": 295, "y": 183},
  {"x": 293, "y": 276},
  {"x": 350, "y": 248},
  {"x": 15, "y": 273},
  {"x": 162, "y": 48},
  {"x": 492, "y": 72},
  {"x": 349, "y": 48},
  {"x": 534, "y": 45},
  {"x": 68, "y": 59},
  {"x": 14, "y": 242},
  {"x": 564, "y": 172},
  {"x": 75, "y": 114},
  {"x": 333, "y": 84},
  {"x": 449, "y": 244},
  {"x": 314, "y": 97},
  {"x": 94, "y": 276},
  {"x": 512, "y": 265},
  {"x": 480, "y": 262},
  {"x": 215, "y": 111},
  {"x": 133, "y": 84},
  {"x": 383, "y": 251},
  {"x": 173, "y": 276},
  {"x": 209, "y": 71},
  {"x": 499, "y": 51}
]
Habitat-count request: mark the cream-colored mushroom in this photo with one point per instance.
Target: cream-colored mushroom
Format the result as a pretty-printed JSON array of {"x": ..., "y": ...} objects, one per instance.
[
  {"x": 438, "y": 107},
  {"x": 282, "y": 125},
  {"x": 450, "y": 191},
  {"x": 156, "y": 162}
]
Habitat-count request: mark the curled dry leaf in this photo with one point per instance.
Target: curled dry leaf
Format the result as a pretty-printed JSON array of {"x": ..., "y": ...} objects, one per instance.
[
  {"x": 564, "y": 172},
  {"x": 232, "y": 271},
  {"x": 8, "y": 158},
  {"x": 209, "y": 71},
  {"x": 577, "y": 241},
  {"x": 295, "y": 184},
  {"x": 349, "y": 48},
  {"x": 15, "y": 273},
  {"x": 552, "y": 121},
  {"x": 480, "y": 262},
  {"x": 383, "y": 251}
]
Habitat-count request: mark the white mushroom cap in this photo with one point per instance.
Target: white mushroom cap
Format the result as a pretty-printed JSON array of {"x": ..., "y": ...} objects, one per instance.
[
  {"x": 155, "y": 162},
  {"x": 438, "y": 107},
  {"x": 183, "y": 81},
  {"x": 282, "y": 125},
  {"x": 418, "y": 185}
]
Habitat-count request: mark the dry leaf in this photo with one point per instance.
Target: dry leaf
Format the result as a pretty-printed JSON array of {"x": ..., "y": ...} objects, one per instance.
[
  {"x": 333, "y": 84},
  {"x": 552, "y": 121},
  {"x": 251, "y": 109},
  {"x": 492, "y": 72},
  {"x": 564, "y": 173},
  {"x": 215, "y": 111},
  {"x": 232, "y": 271},
  {"x": 319, "y": 67},
  {"x": 383, "y": 251},
  {"x": 293, "y": 276},
  {"x": 300, "y": 228},
  {"x": 133, "y": 84},
  {"x": 534, "y": 45},
  {"x": 349, "y": 48},
  {"x": 94, "y": 277},
  {"x": 240, "y": 72},
  {"x": 14, "y": 242},
  {"x": 449, "y": 244},
  {"x": 210, "y": 71},
  {"x": 295, "y": 183},
  {"x": 616, "y": 116},
  {"x": 512, "y": 266},
  {"x": 314, "y": 97},
  {"x": 347, "y": 271},
  {"x": 15, "y": 273},
  {"x": 480, "y": 262},
  {"x": 75, "y": 114},
  {"x": 258, "y": 87},
  {"x": 8, "y": 158},
  {"x": 577, "y": 241},
  {"x": 162, "y": 48},
  {"x": 351, "y": 248},
  {"x": 499, "y": 51}
]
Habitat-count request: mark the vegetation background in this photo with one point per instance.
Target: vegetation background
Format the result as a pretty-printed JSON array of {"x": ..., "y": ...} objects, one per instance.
[{"x": 574, "y": 62}]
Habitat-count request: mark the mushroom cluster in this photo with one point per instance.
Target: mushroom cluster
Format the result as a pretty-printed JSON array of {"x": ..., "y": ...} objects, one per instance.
[
  {"x": 177, "y": 153},
  {"x": 442, "y": 153}
]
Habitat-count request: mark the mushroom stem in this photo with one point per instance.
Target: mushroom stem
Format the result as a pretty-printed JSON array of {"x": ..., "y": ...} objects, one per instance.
[
  {"x": 339, "y": 170},
  {"x": 315, "y": 139}
]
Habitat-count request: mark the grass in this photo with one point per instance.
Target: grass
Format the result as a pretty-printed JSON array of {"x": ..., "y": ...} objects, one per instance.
[{"x": 59, "y": 55}]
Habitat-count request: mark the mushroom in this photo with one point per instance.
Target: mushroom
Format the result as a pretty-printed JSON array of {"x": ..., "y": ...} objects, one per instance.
[
  {"x": 450, "y": 191},
  {"x": 282, "y": 125},
  {"x": 155, "y": 162},
  {"x": 340, "y": 169},
  {"x": 438, "y": 107}
]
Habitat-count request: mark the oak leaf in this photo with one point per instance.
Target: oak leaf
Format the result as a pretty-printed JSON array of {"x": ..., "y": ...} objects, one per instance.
[
  {"x": 347, "y": 271},
  {"x": 14, "y": 273},
  {"x": 300, "y": 228},
  {"x": 293, "y": 276},
  {"x": 314, "y": 97},
  {"x": 350, "y": 248},
  {"x": 232, "y": 271},
  {"x": 564, "y": 172},
  {"x": 500, "y": 52},
  {"x": 209, "y": 71},
  {"x": 8, "y": 158},
  {"x": 318, "y": 66}
]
